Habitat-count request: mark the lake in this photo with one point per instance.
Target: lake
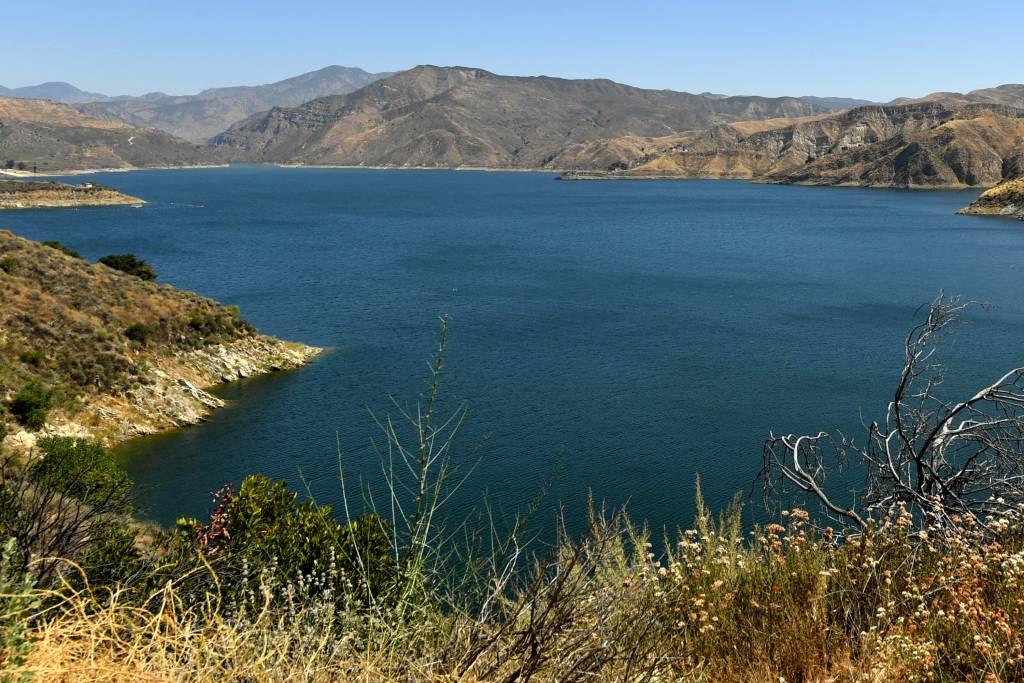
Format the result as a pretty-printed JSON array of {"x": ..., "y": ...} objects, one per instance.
[{"x": 609, "y": 337}]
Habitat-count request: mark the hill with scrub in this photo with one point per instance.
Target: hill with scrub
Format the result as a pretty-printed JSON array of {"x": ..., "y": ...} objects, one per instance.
[
  {"x": 447, "y": 117},
  {"x": 1005, "y": 199},
  {"x": 91, "y": 350},
  {"x": 50, "y": 137},
  {"x": 931, "y": 143}
]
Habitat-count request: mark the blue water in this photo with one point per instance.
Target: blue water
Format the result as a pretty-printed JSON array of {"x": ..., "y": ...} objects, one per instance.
[{"x": 613, "y": 337}]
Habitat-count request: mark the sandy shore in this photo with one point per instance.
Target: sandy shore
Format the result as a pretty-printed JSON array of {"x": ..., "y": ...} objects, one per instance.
[
  {"x": 486, "y": 169},
  {"x": 83, "y": 171}
]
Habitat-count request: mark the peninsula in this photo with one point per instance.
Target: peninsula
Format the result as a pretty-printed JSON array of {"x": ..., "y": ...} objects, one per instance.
[
  {"x": 1005, "y": 199},
  {"x": 26, "y": 194},
  {"x": 88, "y": 350}
]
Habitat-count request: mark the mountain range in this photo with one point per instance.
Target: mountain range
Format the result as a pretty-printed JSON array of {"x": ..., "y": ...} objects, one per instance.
[
  {"x": 199, "y": 117},
  {"x": 933, "y": 142},
  {"x": 454, "y": 116},
  {"x": 449, "y": 117}
]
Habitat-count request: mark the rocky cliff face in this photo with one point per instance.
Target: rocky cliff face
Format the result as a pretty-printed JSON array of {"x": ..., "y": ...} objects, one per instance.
[
  {"x": 22, "y": 194},
  {"x": 121, "y": 356},
  {"x": 925, "y": 144},
  {"x": 451, "y": 117},
  {"x": 1005, "y": 199}
]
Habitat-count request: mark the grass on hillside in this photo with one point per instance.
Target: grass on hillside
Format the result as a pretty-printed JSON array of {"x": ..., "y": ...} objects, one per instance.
[{"x": 84, "y": 329}]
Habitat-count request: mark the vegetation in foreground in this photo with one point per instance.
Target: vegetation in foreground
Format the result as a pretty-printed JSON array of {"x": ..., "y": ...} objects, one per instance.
[{"x": 922, "y": 588}]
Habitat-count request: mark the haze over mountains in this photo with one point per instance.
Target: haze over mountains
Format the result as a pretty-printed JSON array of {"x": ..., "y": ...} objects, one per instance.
[
  {"x": 448, "y": 117},
  {"x": 199, "y": 117}
]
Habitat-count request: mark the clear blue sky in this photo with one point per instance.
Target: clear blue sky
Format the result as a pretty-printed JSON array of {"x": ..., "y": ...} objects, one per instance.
[{"x": 874, "y": 50}]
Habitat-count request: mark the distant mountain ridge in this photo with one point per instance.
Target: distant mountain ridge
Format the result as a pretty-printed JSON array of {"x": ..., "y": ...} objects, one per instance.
[
  {"x": 58, "y": 91},
  {"x": 457, "y": 116},
  {"x": 451, "y": 117},
  {"x": 201, "y": 116},
  {"x": 836, "y": 103}
]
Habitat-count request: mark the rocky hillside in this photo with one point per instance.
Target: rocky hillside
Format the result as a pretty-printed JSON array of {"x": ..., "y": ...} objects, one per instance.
[
  {"x": 199, "y": 117},
  {"x": 56, "y": 137},
  {"x": 453, "y": 116},
  {"x": 1005, "y": 199},
  {"x": 25, "y": 194},
  {"x": 924, "y": 144},
  {"x": 114, "y": 355}
]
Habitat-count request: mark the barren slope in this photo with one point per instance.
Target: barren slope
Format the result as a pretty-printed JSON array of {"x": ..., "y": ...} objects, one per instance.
[
  {"x": 450, "y": 117},
  {"x": 57, "y": 137}
]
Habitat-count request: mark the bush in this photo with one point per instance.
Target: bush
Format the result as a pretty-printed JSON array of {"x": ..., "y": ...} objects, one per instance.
[
  {"x": 129, "y": 263},
  {"x": 16, "y": 603},
  {"x": 234, "y": 311},
  {"x": 83, "y": 470},
  {"x": 138, "y": 332},
  {"x": 9, "y": 265},
  {"x": 33, "y": 357},
  {"x": 264, "y": 525},
  {"x": 54, "y": 244},
  {"x": 31, "y": 405},
  {"x": 68, "y": 504}
]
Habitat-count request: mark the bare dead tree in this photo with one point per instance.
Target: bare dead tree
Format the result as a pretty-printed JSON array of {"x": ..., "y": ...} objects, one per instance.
[{"x": 947, "y": 463}]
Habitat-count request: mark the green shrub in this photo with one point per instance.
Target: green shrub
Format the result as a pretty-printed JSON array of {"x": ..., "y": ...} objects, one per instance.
[
  {"x": 81, "y": 469},
  {"x": 234, "y": 311},
  {"x": 9, "y": 265},
  {"x": 32, "y": 404},
  {"x": 138, "y": 332},
  {"x": 17, "y": 603},
  {"x": 129, "y": 263},
  {"x": 33, "y": 357},
  {"x": 113, "y": 558},
  {"x": 54, "y": 244},
  {"x": 264, "y": 525}
]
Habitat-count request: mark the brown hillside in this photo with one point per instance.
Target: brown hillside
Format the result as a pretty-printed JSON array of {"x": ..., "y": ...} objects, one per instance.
[
  {"x": 453, "y": 116},
  {"x": 1005, "y": 199},
  {"x": 915, "y": 145},
  {"x": 122, "y": 356},
  {"x": 56, "y": 137}
]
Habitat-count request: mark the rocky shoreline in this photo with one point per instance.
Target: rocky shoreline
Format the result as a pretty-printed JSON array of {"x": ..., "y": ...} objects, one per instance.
[
  {"x": 106, "y": 354},
  {"x": 27, "y": 194},
  {"x": 175, "y": 393},
  {"x": 1005, "y": 199}
]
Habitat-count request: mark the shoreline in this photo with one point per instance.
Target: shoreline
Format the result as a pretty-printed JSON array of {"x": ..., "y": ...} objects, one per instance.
[
  {"x": 86, "y": 171},
  {"x": 757, "y": 180},
  {"x": 178, "y": 395},
  {"x": 482, "y": 169},
  {"x": 560, "y": 174}
]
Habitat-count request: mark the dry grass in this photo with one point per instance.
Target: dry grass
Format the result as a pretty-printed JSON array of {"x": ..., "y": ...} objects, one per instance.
[
  {"x": 784, "y": 604},
  {"x": 63, "y": 322}
]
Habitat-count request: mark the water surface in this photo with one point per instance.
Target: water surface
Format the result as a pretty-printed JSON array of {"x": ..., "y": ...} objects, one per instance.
[{"x": 613, "y": 337}]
